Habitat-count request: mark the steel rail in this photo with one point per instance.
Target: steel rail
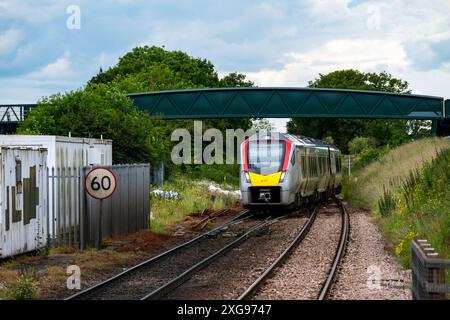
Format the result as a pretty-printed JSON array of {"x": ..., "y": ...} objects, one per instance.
[
  {"x": 281, "y": 258},
  {"x": 345, "y": 230},
  {"x": 179, "y": 280},
  {"x": 91, "y": 290}
]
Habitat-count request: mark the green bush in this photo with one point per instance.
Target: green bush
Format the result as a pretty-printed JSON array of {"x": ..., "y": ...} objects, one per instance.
[
  {"x": 386, "y": 204},
  {"x": 358, "y": 144},
  {"x": 368, "y": 156},
  {"x": 25, "y": 287}
]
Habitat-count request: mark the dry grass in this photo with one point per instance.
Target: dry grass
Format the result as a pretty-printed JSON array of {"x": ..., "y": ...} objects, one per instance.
[
  {"x": 195, "y": 197},
  {"x": 366, "y": 187}
]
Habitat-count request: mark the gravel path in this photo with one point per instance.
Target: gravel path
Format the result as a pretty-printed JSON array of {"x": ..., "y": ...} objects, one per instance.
[
  {"x": 303, "y": 273},
  {"x": 365, "y": 258},
  {"x": 230, "y": 275}
]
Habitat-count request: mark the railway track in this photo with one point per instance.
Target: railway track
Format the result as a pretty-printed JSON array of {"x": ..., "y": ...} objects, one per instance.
[
  {"x": 343, "y": 239},
  {"x": 340, "y": 250},
  {"x": 144, "y": 281},
  {"x": 182, "y": 262}
]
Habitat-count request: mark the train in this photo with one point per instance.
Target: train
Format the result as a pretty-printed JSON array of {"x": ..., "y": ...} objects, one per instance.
[{"x": 285, "y": 170}]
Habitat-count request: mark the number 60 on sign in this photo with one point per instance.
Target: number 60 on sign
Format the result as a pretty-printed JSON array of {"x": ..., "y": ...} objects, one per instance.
[{"x": 100, "y": 183}]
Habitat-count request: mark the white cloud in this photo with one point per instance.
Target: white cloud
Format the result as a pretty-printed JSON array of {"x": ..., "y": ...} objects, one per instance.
[
  {"x": 58, "y": 69},
  {"x": 9, "y": 40},
  {"x": 361, "y": 54},
  {"x": 37, "y": 12}
]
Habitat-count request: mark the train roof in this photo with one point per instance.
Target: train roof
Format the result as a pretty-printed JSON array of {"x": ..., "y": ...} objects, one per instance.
[{"x": 295, "y": 138}]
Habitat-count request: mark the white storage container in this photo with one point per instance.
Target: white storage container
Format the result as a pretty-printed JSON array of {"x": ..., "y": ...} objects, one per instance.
[
  {"x": 63, "y": 152},
  {"x": 23, "y": 203}
]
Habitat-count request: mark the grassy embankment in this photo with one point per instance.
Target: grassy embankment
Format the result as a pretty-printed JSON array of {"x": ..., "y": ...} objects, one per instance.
[
  {"x": 194, "y": 197},
  {"x": 408, "y": 190}
]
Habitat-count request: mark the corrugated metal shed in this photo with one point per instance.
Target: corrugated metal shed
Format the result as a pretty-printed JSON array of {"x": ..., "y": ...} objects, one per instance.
[
  {"x": 23, "y": 203},
  {"x": 63, "y": 153}
]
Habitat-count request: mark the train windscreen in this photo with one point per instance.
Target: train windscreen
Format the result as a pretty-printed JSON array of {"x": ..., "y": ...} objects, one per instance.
[{"x": 265, "y": 157}]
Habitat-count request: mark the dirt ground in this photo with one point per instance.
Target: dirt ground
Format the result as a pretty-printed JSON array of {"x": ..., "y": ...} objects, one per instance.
[{"x": 116, "y": 255}]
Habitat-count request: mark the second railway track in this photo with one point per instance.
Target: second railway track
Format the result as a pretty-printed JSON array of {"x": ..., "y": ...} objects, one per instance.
[
  {"x": 326, "y": 281},
  {"x": 143, "y": 280}
]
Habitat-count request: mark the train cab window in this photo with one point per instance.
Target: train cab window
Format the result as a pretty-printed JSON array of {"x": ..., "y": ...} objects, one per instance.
[
  {"x": 293, "y": 156},
  {"x": 265, "y": 157}
]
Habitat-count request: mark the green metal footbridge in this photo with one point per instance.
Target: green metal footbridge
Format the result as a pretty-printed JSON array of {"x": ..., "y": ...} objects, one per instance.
[{"x": 261, "y": 102}]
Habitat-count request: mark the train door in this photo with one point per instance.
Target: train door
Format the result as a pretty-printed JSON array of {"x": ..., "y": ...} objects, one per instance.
[
  {"x": 307, "y": 171},
  {"x": 330, "y": 170}
]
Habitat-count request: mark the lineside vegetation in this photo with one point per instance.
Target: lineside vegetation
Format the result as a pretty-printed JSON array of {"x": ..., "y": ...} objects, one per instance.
[
  {"x": 407, "y": 188},
  {"x": 194, "y": 198}
]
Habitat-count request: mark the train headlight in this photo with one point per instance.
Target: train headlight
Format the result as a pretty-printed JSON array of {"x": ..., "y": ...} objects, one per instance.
[
  {"x": 283, "y": 174},
  {"x": 247, "y": 177}
]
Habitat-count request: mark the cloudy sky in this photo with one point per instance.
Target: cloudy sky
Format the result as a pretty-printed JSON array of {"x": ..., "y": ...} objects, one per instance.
[{"x": 43, "y": 50}]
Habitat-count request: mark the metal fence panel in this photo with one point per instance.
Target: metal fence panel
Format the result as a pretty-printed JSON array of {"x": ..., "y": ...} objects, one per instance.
[
  {"x": 158, "y": 174},
  {"x": 83, "y": 221},
  {"x": 126, "y": 211},
  {"x": 428, "y": 272}
]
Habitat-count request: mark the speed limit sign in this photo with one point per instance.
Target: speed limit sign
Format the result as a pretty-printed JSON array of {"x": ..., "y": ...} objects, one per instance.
[{"x": 100, "y": 183}]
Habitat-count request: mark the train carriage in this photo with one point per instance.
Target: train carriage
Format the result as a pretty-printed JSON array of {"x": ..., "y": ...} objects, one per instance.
[{"x": 287, "y": 170}]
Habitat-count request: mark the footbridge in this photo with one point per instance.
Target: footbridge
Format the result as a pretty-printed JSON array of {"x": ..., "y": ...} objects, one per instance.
[{"x": 263, "y": 102}]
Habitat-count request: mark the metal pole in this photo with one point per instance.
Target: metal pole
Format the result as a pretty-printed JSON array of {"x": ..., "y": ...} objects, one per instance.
[
  {"x": 53, "y": 217},
  {"x": 100, "y": 236},
  {"x": 82, "y": 203},
  {"x": 48, "y": 240},
  {"x": 349, "y": 164},
  {"x": 69, "y": 201}
]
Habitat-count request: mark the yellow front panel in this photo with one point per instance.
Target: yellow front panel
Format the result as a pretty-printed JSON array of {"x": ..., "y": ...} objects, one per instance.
[{"x": 260, "y": 180}]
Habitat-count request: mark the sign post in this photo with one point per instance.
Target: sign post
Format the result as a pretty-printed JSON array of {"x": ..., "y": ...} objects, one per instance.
[{"x": 100, "y": 183}]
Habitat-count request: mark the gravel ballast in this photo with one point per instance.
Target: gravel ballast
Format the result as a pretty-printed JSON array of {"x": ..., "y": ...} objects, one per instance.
[
  {"x": 303, "y": 273},
  {"x": 231, "y": 274},
  {"x": 139, "y": 282},
  {"x": 368, "y": 270}
]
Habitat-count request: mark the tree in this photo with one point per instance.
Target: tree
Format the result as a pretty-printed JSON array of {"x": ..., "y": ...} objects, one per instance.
[
  {"x": 235, "y": 79},
  {"x": 195, "y": 71},
  {"x": 94, "y": 111},
  {"x": 382, "y": 132},
  {"x": 154, "y": 68},
  {"x": 262, "y": 124}
]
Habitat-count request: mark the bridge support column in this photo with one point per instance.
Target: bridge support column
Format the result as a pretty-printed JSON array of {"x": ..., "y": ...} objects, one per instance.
[{"x": 441, "y": 128}]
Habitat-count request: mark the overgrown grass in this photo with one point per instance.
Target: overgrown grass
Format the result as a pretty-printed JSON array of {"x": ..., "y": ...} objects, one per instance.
[
  {"x": 421, "y": 208},
  {"x": 408, "y": 190},
  {"x": 366, "y": 185},
  {"x": 25, "y": 287},
  {"x": 218, "y": 173},
  {"x": 194, "y": 198},
  {"x": 9, "y": 264}
]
